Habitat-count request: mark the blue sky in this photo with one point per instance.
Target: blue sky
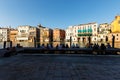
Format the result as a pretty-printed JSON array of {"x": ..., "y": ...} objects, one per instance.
[{"x": 57, "y": 13}]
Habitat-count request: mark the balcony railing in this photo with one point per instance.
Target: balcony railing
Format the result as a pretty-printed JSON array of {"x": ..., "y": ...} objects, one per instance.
[
  {"x": 23, "y": 37},
  {"x": 85, "y": 30},
  {"x": 90, "y": 34}
]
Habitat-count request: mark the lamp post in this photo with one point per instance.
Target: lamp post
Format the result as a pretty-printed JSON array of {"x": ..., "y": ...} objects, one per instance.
[
  {"x": 89, "y": 39},
  {"x": 34, "y": 42},
  {"x": 10, "y": 44},
  {"x": 4, "y": 44},
  {"x": 70, "y": 41},
  {"x": 113, "y": 40},
  {"x": 106, "y": 39}
]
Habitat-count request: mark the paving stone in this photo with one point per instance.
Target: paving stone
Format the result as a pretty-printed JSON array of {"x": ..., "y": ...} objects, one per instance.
[{"x": 60, "y": 68}]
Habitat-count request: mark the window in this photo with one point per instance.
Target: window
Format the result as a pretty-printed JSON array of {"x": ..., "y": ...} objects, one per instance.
[
  {"x": 117, "y": 34},
  {"x": 32, "y": 33},
  {"x": 22, "y": 31},
  {"x": 3, "y": 32},
  {"x": 94, "y": 29}
]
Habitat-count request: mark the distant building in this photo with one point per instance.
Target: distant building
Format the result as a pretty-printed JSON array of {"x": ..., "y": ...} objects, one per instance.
[
  {"x": 13, "y": 35},
  {"x": 33, "y": 34},
  {"x": 115, "y": 28},
  {"x": 117, "y": 37},
  {"x": 103, "y": 31},
  {"x": 115, "y": 25},
  {"x": 87, "y": 30},
  {"x": 58, "y": 35},
  {"x": 27, "y": 36},
  {"x": 23, "y": 33},
  {"x": 4, "y": 34},
  {"x": 71, "y": 31},
  {"x": 81, "y": 33},
  {"x": 45, "y": 35}
]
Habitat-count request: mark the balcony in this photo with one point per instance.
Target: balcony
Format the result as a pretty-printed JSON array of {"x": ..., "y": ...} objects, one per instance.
[
  {"x": 23, "y": 37},
  {"x": 84, "y": 34},
  {"x": 85, "y": 30}
]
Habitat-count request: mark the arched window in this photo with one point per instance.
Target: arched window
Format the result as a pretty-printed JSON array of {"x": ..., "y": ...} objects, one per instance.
[{"x": 117, "y": 34}]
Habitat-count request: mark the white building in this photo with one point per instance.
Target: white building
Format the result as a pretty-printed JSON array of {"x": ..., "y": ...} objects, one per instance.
[
  {"x": 104, "y": 30},
  {"x": 27, "y": 36},
  {"x": 81, "y": 33},
  {"x": 23, "y": 33},
  {"x": 71, "y": 31},
  {"x": 87, "y": 30},
  {"x": 26, "y": 33},
  {"x": 4, "y": 34}
]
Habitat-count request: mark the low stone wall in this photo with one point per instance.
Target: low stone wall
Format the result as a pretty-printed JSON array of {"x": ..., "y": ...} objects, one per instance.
[{"x": 70, "y": 51}]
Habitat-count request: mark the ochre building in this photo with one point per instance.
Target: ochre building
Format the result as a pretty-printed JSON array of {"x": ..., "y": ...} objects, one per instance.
[{"x": 115, "y": 29}]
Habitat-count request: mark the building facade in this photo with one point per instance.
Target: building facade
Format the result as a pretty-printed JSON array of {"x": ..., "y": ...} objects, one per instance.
[
  {"x": 115, "y": 25},
  {"x": 72, "y": 32},
  {"x": 86, "y": 31},
  {"x": 4, "y": 34},
  {"x": 82, "y": 34},
  {"x": 23, "y": 33},
  {"x": 27, "y": 36},
  {"x": 45, "y": 35},
  {"x": 115, "y": 28},
  {"x": 33, "y": 36},
  {"x": 58, "y": 35},
  {"x": 103, "y": 31},
  {"x": 13, "y": 35}
]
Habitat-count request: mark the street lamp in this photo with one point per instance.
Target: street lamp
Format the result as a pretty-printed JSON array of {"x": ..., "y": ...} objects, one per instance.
[
  {"x": 106, "y": 38},
  {"x": 35, "y": 42},
  {"x": 113, "y": 40},
  {"x": 70, "y": 41},
  {"x": 89, "y": 39}
]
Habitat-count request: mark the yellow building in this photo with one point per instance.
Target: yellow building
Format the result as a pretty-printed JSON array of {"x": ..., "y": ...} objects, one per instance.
[
  {"x": 115, "y": 28},
  {"x": 115, "y": 25}
]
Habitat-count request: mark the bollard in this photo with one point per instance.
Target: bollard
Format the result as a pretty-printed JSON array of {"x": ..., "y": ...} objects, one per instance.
[
  {"x": 4, "y": 45},
  {"x": 113, "y": 41},
  {"x": 34, "y": 42},
  {"x": 10, "y": 44}
]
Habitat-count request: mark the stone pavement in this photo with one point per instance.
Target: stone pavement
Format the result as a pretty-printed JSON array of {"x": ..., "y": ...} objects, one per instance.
[{"x": 60, "y": 67}]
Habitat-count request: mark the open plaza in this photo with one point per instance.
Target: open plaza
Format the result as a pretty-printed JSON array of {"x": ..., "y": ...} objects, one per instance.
[{"x": 60, "y": 67}]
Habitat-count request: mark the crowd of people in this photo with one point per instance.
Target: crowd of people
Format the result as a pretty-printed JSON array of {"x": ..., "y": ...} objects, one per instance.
[
  {"x": 102, "y": 46},
  {"x": 93, "y": 46}
]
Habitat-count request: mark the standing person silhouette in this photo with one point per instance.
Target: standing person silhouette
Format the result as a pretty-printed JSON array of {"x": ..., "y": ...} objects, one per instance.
[{"x": 103, "y": 48}]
